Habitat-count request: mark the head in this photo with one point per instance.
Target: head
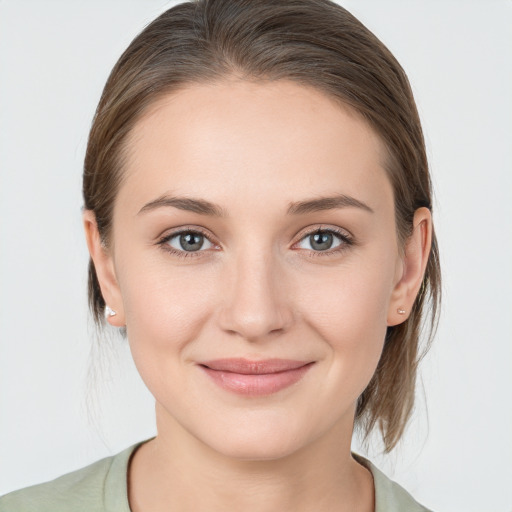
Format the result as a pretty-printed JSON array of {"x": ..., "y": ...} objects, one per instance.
[{"x": 198, "y": 103}]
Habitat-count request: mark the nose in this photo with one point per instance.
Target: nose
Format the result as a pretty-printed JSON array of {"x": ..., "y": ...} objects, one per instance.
[{"x": 256, "y": 303}]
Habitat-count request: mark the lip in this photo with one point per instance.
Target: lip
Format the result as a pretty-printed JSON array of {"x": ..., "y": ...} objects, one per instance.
[{"x": 255, "y": 378}]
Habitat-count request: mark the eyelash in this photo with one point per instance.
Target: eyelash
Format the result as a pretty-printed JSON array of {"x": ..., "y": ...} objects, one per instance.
[{"x": 346, "y": 240}]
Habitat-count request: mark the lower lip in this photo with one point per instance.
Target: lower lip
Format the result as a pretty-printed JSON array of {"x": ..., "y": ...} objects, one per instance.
[{"x": 256, "y": 385}]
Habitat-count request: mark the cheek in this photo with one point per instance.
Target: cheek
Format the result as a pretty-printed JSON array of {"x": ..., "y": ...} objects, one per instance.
[
  {"x": 165, "y": 310},
  {"x": 348, "y": 310},
  {"x": 165, "y": 307},
  {"x": 351, "y": 297}
]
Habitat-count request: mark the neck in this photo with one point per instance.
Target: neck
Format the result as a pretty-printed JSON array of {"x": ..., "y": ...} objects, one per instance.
[{"x": 176, "y": 471}]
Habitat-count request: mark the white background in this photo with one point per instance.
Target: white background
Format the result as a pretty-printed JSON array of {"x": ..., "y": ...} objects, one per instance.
[{"x": 54, "y": 60}]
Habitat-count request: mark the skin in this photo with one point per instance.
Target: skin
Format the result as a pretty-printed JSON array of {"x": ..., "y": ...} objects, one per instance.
[{"x": 257, "y": 289}]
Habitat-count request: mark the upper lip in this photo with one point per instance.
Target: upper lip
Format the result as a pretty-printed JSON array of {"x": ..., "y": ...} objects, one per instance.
[{"x": 248, "y": 367}]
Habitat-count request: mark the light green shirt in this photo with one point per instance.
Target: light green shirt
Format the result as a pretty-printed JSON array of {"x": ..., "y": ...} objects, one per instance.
[{"x": 102, "y": 487}]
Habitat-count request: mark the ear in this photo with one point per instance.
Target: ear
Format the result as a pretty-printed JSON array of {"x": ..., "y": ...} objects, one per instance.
[
  {"x": 104, "y": 265},
  {"x": 412, "y": 269}
]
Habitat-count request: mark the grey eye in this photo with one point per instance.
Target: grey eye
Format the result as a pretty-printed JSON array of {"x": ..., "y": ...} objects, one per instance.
[
  {"x": 322, "y": 240},
  {"x": 189, "y": 241}
]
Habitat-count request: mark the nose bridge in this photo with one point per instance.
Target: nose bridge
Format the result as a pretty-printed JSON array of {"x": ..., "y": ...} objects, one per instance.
[{"x": 256, "y": 303}]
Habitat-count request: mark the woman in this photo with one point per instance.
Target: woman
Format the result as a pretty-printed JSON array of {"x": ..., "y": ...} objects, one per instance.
[{"x": 258, "y": 215}]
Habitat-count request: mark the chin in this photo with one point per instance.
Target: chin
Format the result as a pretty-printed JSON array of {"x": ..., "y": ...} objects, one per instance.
[
  {"x": 256, "y": 448},
  {"x": 257, "y": 438}
]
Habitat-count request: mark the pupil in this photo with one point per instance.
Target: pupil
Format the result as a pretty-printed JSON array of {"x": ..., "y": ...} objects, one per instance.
[
  {"x": 191, "y": 241},
  {"x": 322, "y": 241}
]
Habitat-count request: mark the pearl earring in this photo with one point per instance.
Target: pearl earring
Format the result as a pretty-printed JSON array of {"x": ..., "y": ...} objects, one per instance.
[
  {"x": 401, "y": 311},
  {"x": 109, "y": 312}
]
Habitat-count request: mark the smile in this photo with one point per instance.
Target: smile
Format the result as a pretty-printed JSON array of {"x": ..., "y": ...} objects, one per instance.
[{"x": 255, "y": 378}]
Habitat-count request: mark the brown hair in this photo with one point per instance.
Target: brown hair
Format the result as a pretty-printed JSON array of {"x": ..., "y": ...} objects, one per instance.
[{"x": 313, "y": 42}]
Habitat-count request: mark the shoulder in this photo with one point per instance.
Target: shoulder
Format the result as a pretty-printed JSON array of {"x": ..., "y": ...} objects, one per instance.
[
  {"x": 389, "y": 496},
  {"x": 83, "y": 486},
  {"x": 99, "y": 487}
]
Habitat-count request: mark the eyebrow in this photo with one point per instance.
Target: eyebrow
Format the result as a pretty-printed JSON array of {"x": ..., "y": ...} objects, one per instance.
[
  {"x": 204, "y": 207},
  {"x": 326, "y": 203}
]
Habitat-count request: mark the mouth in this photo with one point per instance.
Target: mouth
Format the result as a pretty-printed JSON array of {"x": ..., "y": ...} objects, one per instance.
[{"x": 255, "y": 378}]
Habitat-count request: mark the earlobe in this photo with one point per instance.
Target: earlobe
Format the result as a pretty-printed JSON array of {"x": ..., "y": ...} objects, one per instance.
[
  {"x": 416, "y": 253},
  {"x": 105, "y": 272}
]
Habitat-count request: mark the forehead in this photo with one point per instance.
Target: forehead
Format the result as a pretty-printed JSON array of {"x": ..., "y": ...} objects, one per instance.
[{"x": 232, "y": 138}]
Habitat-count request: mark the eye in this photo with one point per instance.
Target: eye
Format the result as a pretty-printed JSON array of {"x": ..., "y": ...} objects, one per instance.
[
  {"x": 320, "y": 242},
  {"x": 325, "y": 241},
  {"x": 185, "y": 243}
]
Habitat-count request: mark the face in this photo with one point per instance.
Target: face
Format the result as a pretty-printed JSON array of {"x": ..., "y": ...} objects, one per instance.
[{"x": 225, "y": 248}]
